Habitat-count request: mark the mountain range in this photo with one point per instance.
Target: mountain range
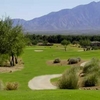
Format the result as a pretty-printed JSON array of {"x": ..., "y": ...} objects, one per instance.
[{"x": 79, "y": 18}]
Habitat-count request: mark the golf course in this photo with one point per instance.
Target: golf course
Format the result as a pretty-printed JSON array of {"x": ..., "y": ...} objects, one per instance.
[{"x": 37, "y": 62}]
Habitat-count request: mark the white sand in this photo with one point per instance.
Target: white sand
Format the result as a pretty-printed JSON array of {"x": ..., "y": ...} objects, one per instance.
[
  {"x": 80, "y": 50},
  {"x": 38, "y": 50}
]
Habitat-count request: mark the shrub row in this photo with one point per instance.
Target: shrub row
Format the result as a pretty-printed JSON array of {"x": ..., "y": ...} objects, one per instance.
[
  {"x": 70, "y": 60},
  {"x": 90, "y": 73}
]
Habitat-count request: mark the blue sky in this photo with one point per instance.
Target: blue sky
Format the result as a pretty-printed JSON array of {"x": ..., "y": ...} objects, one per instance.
[{"x": 29, "y": 9}]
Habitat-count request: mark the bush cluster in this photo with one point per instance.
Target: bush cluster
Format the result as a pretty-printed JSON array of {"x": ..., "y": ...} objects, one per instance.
[
  {"x": 57, "y": 60},
  {"x": 86, "y": 76},
  {"x": 12, "y": 86},
  {"x": 69, "y": 79},
  {"x": 90, "y": 80},
  {"x": 74, "y": 60},
  {"x": 92, "y": 73},
  {"x": 3, "y": 60}
]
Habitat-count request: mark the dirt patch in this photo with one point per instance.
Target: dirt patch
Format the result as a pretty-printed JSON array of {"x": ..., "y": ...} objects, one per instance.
[
  {"x": 62, "y": 63},
  {"x": 90, "y": 88},
  {"x": 18, "y": 67}
]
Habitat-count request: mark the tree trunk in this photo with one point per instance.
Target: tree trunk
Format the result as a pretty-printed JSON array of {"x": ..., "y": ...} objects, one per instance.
[
  {"x": 12, "y": 63},
  {"x": 16, "y": 60},
  {"x": 65, "y": 48}
]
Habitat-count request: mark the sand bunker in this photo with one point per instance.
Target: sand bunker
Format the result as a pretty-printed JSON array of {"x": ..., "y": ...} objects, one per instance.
[
  {"x": 80, "y": 50},
  {"x": 38, "y": 50}
]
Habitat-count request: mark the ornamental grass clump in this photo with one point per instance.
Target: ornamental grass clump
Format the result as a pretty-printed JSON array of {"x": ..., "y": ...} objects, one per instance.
[
  {"x": 69, "y": 79},
  {"x": 92, "y": 66},
  {"x": 12, "y": 86},
  {"x": 85, "y": 76},
  {"x": 91, "y": 71},
  {"x": 90, "y": 80}
]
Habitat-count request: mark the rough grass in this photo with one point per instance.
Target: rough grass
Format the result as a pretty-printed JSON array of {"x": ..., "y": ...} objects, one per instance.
[{"x": 35, "y": 65}]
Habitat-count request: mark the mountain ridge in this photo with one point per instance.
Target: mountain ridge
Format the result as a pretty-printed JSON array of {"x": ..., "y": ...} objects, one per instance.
[{"x": 82, "y": 17}]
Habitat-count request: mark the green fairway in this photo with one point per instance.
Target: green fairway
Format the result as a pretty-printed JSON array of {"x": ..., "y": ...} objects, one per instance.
[{"x": 35, "y": 64}]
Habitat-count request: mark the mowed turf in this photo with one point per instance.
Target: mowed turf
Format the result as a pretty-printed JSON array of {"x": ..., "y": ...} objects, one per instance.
[{"x": 35, "y": 64}]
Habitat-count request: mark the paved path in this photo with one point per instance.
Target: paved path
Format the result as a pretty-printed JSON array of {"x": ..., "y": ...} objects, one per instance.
[
  {"x": 82, "y": 64},
  {"x": 43, "y": 82}
]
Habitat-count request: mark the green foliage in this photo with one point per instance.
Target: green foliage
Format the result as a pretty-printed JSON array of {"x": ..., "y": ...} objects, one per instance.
[
  {"x": 92, "y": 66},
  {"x": 90, "y": 80},
  {"x": 11, "y": 38},
  {"x": 57, "y": 60},
  {"x": 69, "y": 79},
  {"x": 91, "y": 76},
  {"x": 92, "y": 72},
  {"x": 84, "y": 43},
  {"x": 79, "y": 59},
  {"x": 12, "y": 86},
  {"x": 65, "y": 43},
  {"x": 45, "y": 43},
  {"x": 95, "y": 47},
  {"x": 74, "y": 39},
  {"x": 34, "y": 42},
  {"x": 75, "y": 42},
  {"x": 4, "y": 59}
]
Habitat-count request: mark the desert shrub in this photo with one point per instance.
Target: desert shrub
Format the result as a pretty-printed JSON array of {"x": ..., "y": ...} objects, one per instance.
[
  {"x": 57, "y": 60},
  {"x": 95, "y": 48},
  {"x": 92, "y": 72},
  {"x": 1, "y": 85},
  {"x": 69, "y": 79},
  {"x": 92, "y": 66},
  {"x": 79, "y": 59},
  {"x": 90, "y": 80},
  {"x": 12, "y": 86},
  {"x": 3, "y": 59},
  {"x": 73, "y": 60}
]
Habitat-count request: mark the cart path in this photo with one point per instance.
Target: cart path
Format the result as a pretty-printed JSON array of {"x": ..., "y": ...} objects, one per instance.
[{"x": 43, "y": 82}]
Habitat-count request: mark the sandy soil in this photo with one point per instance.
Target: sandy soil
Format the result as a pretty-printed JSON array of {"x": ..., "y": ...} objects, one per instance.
[{"x": 18, "y": 67}]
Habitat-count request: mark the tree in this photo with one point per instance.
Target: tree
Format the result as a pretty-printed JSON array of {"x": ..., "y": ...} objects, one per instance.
[
  {"x": 85, "y": 44},
  {"x": 12, "y": 40},
  {"x": 16, "y": 44},
  {"x": 65, "y": 43}
]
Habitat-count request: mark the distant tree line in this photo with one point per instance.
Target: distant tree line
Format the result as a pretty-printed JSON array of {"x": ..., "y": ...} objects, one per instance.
[{"x": 34, "y": 39}]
